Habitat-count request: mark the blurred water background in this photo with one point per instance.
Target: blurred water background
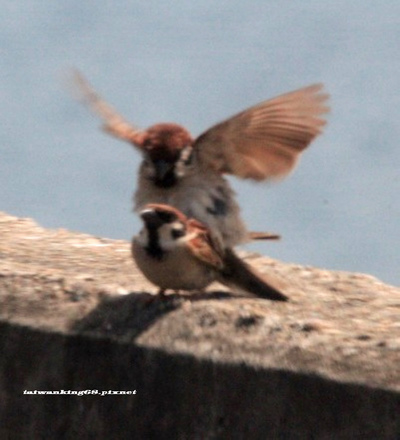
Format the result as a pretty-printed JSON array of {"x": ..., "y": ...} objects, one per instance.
[{"x": 196, "y": 63}]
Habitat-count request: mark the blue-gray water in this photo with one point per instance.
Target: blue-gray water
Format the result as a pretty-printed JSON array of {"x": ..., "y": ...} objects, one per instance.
[{"x": 196, "y": 63}]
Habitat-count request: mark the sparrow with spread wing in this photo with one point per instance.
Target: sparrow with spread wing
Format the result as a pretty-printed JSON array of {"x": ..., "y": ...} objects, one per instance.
[
  {"x": 260, "y": 143},
  {"x": 175, "y": 252}
]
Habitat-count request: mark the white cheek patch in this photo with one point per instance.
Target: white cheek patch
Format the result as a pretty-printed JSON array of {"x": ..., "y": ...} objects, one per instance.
[
  {"x": 182, "y": 164},
  {"x": 178, "y": 226},
  {"x": 167, "y": 241},
  {"x": 179, "y": 169},
  {"x": 164, "y": 236},
  {"x": 186, "y": 154}
]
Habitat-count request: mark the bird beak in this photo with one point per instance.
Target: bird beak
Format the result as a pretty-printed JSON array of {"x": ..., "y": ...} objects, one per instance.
[
  {"x": 151, "y": 218},
  {"x": 162, "y": 168}
]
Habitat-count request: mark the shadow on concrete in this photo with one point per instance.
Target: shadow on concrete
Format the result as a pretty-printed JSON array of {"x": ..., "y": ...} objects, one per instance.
[{"x": 130, "y": 315}]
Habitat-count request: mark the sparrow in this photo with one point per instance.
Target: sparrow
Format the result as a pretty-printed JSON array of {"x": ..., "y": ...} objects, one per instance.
[
  {"x": 261, "y": 143},
  {"x": 180, "y": 253}
]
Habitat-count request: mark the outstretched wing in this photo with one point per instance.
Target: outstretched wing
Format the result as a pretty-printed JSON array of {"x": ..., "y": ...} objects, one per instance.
[
  {"x": 265, "y": 141},
  {"x": 113, "y": 122}
]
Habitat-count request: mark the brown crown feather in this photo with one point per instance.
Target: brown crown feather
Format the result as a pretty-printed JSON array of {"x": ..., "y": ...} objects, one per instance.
[
  {"x": 167, "y": 208},
  {"x": 166, "y": 140}
]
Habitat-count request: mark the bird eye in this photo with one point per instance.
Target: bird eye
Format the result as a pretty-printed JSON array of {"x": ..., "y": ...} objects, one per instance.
[{"x": 177, "y": 233}]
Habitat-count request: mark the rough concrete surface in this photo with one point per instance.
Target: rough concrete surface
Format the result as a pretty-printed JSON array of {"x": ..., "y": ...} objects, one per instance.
[{"x": 75, "y": 314}]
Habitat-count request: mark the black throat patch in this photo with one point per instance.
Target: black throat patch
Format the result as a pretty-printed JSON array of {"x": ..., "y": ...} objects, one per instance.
[
  {"x": 153, "y": 248},
  {"x": 167, "y": 181}
]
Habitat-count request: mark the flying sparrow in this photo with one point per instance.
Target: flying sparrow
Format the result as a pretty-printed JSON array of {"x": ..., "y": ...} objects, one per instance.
[
  {"x": 260, "y": 143},
  {"x": 178, "y": 253}
]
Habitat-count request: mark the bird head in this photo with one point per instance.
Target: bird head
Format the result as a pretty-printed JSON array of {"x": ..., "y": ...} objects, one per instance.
[{"x": 168, "y": 154}]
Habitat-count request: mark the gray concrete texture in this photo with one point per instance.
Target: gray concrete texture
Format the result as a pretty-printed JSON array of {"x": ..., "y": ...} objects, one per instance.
[{"x": 75, "y": 314}]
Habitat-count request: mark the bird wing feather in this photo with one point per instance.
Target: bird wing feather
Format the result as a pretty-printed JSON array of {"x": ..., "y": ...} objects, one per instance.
[
  {"x": 113, "y": 122},
  {"x": 205, "y": 247},
  {"x": 265, "y": 141}
]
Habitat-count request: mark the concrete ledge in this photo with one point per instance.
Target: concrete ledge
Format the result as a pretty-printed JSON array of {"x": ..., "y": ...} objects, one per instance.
[{"x": 76, "y": 315}]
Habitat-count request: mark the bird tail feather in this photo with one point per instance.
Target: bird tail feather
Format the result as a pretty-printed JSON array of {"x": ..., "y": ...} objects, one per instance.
[{"x": 237, "y": 273}]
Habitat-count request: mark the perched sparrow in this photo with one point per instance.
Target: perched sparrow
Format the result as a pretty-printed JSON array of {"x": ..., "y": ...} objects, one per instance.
[
  {"x": 178, "y": 253},
  {"x": 260, "y": 143}
]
